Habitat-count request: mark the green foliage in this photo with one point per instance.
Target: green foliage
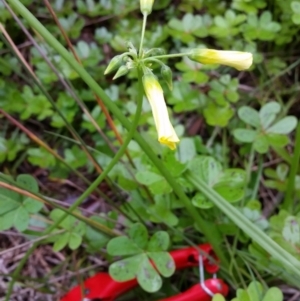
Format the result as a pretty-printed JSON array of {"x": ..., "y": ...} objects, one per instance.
[
  {"x": 267, "y": 132},
  {"x": 205, "y": 104},
  {"x": 141, "y": 250},
  {"x": 72, "y": 236}
]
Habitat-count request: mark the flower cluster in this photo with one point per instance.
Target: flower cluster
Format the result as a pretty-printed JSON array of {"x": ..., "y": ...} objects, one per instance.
[{"x": 153, "y": 90}]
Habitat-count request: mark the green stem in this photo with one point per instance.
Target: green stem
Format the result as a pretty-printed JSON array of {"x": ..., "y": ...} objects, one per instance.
[
  {"x": 267, "y": 243},
  {"x": 212, "y": 137},
  {"x": 85, "y": 76},
  {"x": 143, "y": 34},
  {"x": 258, "y": 178},
  {"x": 151, "y": 59},
  {"x": 288, "y": 199},
  {"x": 167, "y": 56}
]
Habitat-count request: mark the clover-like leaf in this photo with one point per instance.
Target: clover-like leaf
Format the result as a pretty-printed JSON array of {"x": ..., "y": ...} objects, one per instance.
[
  {"x": 261, "y": 144},
  {"x": 122, "y": 246},
  {"x": 147, "y": 276},
  {"x": 249, "y": 116},
  {"x": 163, "y": 262},
  {"x": 14, "y": 207},
  {"x": 126, "y": 269},
  {"x": 268, "y": 112},
  {"x": 159, "y": 241},
  {"x": 139, "y": 235},
  {"x": 161, "y": 212},
  {"x": 284, "y": 126},
  {"x": 156, "y": 183},
  {"x": 200, "y": 201},
  {"x": 61, "y": 241},
  {"x": 245, "y": 135},
  {"x": 218, "y": 115},
  {"x": 255, "y": 291},
  {"x": 21, "y": 219},
  {"x": 273, "y": 294}
]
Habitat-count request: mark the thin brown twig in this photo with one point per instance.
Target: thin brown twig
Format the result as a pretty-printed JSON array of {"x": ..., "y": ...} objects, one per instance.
[{"x": 17, "y": 51}]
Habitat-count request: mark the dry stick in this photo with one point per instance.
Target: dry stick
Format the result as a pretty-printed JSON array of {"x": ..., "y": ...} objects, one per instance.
[
  {"x": 17, "y": 51},
  {"x": 28, "y": 243},
  {"x": 100, "y": 103}
]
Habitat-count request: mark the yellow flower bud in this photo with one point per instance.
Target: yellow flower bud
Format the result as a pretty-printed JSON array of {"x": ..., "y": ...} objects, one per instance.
[
  {"x": 146, "y": 6},
  {"x": 236, "y": 59},
  {"x": 154, "y": 93}
]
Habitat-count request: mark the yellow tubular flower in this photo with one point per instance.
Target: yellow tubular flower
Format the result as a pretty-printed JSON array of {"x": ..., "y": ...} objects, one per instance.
[
  {"x": 146, "y": 6},
  {"x": 236, "y": 59},
  {"x": 154, "y": 93}
]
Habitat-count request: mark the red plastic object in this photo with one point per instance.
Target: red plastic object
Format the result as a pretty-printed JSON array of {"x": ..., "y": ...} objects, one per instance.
[
  {"x": 197, "y": 293},
  {"x": 103, "y": 287}
]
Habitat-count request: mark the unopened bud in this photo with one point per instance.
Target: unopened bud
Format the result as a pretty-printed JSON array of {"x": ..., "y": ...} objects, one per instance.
[
  {"x": 113, "y": 64},
  {"x": 236, "y": 59},
  {"x": 123, "y": 70},
  {"x": 146, "y": 6}
]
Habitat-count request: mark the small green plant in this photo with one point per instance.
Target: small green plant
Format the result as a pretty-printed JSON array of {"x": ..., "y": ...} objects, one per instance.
[
  {"x": 267, "y": 132},
  {"x": 16, "y": 209},
  {"x": 141, "y": 250}
]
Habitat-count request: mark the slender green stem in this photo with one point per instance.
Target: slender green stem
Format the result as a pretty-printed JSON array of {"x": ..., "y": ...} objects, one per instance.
[
  {"x": 284, "y": 71},
  {"x": 151, "y": 59},
  {"x": 166, "y": 56},
  {"x": 288, "y": 199},
  {"x": 85, "y": 76},
  {"x": 212, "y": 137},
  {"x": 143, "y": 34},
  {"x": 266, "y": 242},
  {"x": 258, "y": 178},
  {"x": 248, "y": 172}
]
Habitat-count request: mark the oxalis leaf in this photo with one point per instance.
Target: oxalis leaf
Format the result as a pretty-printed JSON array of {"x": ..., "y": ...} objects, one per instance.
[
  {"x": 139, "y": 267},
  {"x": 249, "y": 116},
  {"x": 122, "y": 246},
  {"x": 159, "y": 242},
  {"x": 14, "y": 207},
  {"x": 164, "y": 263},
  {"x": 284, "y": 126},
  {"x": 139, "y": 235}
]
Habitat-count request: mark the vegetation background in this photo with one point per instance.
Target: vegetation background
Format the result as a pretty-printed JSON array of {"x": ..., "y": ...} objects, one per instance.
[{"x": 234, "y": 180}]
